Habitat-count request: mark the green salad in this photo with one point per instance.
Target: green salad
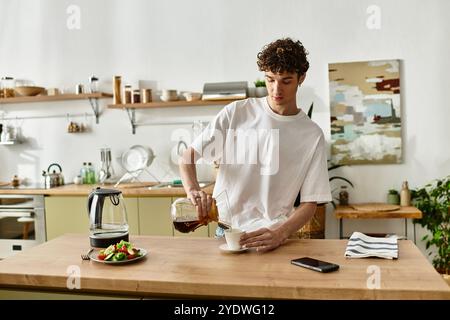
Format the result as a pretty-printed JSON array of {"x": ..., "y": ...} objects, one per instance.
[{"x": 119, "y": 252}]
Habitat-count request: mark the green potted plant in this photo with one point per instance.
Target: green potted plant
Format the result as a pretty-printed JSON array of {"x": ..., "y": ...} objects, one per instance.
[
  {"x": 393, "y": 197},
  {"x": 260, "y": 88},
  {"x": 434, "y": 201}
]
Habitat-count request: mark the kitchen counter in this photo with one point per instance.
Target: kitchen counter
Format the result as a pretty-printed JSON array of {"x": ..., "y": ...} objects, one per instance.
[
  {"x": 138, "y": 189},
  {"x": 195, "y": 268}
]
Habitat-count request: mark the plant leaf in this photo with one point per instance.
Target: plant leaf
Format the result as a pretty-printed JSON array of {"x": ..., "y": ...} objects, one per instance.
[{"x": 341, "y": 178}]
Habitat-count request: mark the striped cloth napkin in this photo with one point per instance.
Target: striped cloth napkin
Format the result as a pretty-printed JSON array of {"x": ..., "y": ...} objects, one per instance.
[{"x": 362, "y": 246}]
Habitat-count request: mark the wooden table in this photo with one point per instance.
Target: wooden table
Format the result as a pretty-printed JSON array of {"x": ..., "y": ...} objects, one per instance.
[
  {"x": 196, "y": 268},
  {"x": 348, "y": 212}
]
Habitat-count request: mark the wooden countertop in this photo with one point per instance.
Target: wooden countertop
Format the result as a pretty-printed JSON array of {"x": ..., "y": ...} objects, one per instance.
[
  {"x": 348, "y": 212},
  {"x": 195, "y": 267},
  {"x": 138, "y": 189}
]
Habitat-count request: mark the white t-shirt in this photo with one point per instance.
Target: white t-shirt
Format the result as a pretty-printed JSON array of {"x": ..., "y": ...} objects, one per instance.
[{"x": 265, "y": 160}]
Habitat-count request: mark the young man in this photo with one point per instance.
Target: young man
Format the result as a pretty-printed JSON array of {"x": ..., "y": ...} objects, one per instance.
[{"x": 268, "y": 150}]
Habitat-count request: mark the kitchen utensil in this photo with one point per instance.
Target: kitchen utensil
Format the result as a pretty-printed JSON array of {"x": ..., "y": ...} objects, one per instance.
[
  {"x": 136, "y": 160},
  {"x": 27, "y": 91},
  {"x": 185, "y": 217},
  {"x": 107, "y": 217},
  {"x": 232, "y": 237},
  {"x": 86, "y": 256},
  {"x": 53, "y": 179},
  {"x": 192, "y": 96},
  {"x": 106, "y": 173}
]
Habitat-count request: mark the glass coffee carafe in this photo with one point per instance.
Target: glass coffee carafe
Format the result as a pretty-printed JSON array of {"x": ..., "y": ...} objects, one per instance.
[
  {"x": 107, "y": 217},
  {"x": 185, "y": 217}
]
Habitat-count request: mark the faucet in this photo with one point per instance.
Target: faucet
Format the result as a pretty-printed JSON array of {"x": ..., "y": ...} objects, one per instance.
[{"x": 179, "y": 145}]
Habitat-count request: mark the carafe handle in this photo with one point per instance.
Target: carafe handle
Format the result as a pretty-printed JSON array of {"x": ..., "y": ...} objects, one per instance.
[
  {"x": 90, "y": 198},
  {"x": 97, "y": 220}
]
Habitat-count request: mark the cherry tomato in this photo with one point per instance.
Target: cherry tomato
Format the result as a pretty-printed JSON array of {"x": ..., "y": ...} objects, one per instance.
[
  {"x": 131, "y": 256},
  {"x": 101, "y": 256},
  {"x": 124, "y": 249}
]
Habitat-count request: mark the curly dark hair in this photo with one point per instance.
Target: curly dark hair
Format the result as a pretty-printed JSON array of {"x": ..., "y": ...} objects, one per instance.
[{"x": 284, "y": 55}]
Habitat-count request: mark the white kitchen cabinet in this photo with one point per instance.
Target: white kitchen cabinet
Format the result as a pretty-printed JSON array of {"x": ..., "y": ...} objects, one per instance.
[{"x": 154, "y": 216}]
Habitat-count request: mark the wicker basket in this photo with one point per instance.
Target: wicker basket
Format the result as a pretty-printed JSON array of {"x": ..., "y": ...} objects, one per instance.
[{"x": 315, "y": 227}]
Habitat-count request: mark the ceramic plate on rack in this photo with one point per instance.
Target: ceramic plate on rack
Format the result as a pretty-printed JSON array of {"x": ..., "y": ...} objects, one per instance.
[{"x": 137, "y": 158}]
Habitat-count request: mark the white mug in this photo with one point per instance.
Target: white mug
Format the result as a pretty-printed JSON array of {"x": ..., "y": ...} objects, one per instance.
[{"x": 233, "y": 236}]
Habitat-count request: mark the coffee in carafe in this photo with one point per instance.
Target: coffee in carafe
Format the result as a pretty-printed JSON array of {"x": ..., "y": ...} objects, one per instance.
[{"x": 185, "y": 217}]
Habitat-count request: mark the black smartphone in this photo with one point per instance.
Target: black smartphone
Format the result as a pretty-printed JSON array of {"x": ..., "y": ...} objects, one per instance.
[{"x": 315, "y": 264}]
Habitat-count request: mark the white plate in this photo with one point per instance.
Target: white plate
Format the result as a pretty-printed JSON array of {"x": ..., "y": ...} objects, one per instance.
[
  {"x": 93, "y": 255},
  {"x": 224, "y": 247},
  {"x": 137, "y": 158}
]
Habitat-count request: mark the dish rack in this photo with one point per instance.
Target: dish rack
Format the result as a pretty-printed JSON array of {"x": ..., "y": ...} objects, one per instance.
[{"x": 135, "y": 161}]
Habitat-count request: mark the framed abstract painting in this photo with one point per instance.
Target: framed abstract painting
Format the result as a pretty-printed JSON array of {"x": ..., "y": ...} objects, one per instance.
[{"x": 365, "y": 112}]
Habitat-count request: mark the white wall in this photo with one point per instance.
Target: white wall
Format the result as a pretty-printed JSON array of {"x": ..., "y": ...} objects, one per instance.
[{"x": 183, "y": 44}]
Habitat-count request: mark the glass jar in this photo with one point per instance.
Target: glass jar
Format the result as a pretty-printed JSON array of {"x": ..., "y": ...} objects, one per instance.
[
  {"x": 343, "y": 196},
  {"x": 136, "y": 96},
  {"x": 128, "y": 94},
  {"x": 146, "y": 95},
  {"x": 117, "y": 80},
  {"x": 8, "y": 85}
]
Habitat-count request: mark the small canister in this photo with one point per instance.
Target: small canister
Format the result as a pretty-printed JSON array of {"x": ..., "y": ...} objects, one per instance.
[
  {"x": 79, "y": 89},
  {"x": 117, "y": 80},
  {"x": 136, "y": 96},
  {"x": 127, "y": 94},
  {"x": 93, "y": 83},
  {"x": 8, "y": 85},
  {"x": 146, "y": 95}
]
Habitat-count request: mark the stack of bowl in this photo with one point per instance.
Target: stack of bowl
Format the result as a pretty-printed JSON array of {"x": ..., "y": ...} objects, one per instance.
[
  {"x": 169, "y": 95},
  {"x": 192, "y": 96}
]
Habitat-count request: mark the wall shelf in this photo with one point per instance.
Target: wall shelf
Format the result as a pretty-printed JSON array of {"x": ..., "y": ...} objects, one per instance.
[
  {"x": 161, "y": 104},
  {"x": 92, "y": 97},
  {"x": 130, "y": 108},
  {"x": 9, "y": 143}
]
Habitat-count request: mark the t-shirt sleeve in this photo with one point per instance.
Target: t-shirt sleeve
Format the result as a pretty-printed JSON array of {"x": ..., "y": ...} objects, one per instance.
[
  {"x": 210, "y": 142},
  {"x": 316, "y": 186}
]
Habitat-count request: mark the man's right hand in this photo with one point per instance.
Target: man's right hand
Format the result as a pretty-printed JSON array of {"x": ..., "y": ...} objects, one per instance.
[{"x": 202, "y": 202}]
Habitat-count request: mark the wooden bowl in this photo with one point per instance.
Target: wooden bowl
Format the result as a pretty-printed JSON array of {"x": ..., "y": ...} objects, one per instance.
[
  {"x": 27, "y": 91},
  {"x": 192, "y": 96}
]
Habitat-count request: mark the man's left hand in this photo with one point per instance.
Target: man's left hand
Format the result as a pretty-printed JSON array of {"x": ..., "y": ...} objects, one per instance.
[{"x": 262, "y": 239}]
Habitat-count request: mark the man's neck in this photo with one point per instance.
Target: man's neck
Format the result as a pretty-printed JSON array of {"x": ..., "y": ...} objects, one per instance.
[{"x": 283, "y": 109}]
